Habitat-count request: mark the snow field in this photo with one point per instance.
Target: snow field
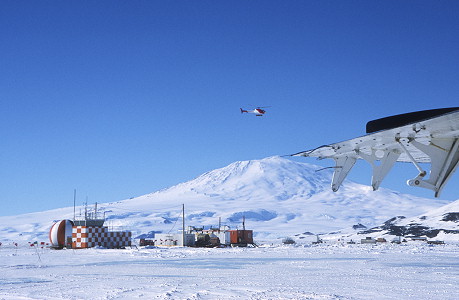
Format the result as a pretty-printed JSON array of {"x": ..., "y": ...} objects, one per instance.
[{"x": 327, "y": 271}]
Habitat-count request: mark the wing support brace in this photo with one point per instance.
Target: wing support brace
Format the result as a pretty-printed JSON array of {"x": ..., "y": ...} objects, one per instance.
[
  {"x": 343, "y": 165},
  {"x": 380, "y": 169},
  {"x": 443, "y": 154},
  {"x": 444, "y": 157},
  {"x": 381, "y": 165}
]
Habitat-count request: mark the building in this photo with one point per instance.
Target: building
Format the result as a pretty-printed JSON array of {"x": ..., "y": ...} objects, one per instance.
[
  {"x": 241, "y": 238},
  {"x": 221, "y": 236},
  {"x": 86, "y": 233},
  {"x": 99, "y": 236},
  {"x": 162, "y": 239},
  {"x": 368, "y": 240},
  {"x": 417, "y": 238},
  {"x": 211, "y": 236}
]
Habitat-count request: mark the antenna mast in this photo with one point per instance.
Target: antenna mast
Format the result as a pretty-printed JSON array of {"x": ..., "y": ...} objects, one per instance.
[
  {"x": 74, "y": 201},
  {"x": 183, "y": 225}
]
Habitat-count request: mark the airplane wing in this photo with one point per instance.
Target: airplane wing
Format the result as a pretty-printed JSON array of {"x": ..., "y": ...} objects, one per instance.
[{"x": 429, "y": 136}]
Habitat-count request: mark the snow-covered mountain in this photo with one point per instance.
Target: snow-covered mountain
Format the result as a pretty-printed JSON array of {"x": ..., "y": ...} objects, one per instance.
[{"x": 278, "y": 197}]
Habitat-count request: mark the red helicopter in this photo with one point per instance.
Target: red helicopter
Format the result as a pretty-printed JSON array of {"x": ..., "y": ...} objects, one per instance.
[{"x": 259, "y": 111}]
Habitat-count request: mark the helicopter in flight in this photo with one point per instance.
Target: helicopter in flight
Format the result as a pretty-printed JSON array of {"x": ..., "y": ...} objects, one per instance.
[{"x": 259, "y": 111}]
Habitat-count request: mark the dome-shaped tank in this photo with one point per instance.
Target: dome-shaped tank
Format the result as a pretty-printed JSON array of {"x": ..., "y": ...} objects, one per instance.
[{"x": 60, "y": 232}]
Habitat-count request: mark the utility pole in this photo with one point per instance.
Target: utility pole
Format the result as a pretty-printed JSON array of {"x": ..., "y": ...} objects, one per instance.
[
  {"x": 74, "y": 203},
  {"x": 183, "y": 225}
]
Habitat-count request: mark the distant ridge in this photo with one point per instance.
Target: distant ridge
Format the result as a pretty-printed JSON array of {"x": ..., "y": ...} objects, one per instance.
[{"x": 441, "y": 223}]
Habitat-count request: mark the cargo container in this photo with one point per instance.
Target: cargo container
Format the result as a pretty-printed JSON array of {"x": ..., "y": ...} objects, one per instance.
[{"x": 241, "y": 238}]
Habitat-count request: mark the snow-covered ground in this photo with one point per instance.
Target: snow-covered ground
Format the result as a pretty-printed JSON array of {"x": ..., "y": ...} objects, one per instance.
[{"x": 326, "y": 271}]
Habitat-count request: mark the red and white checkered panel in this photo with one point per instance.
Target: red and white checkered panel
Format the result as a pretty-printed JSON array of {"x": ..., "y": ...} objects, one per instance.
[{"x": 91, "y": 236}]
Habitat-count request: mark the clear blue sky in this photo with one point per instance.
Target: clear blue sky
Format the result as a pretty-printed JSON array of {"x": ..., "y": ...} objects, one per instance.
[{"x": 121, "y": 98}]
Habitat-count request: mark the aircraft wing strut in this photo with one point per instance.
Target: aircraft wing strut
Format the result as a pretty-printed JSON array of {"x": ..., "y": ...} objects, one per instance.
[{"x": 423, "y": 137}]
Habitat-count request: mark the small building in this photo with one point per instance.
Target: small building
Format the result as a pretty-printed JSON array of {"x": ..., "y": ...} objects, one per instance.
[
  {"x": 223, "y": 237},
  {"x": 92, "y": 236},
  {"x": 146, "y": 242},
  {"x": 435, "y": 242},
  {"x": 162, "y": 239},
  {"x": 288, "y": 241},
  {"x": 241, "y": 237},
  {"x": 397, "y": 240},
  {"x": 368, "y": 240},
  {"x": 417, "y": 238}
]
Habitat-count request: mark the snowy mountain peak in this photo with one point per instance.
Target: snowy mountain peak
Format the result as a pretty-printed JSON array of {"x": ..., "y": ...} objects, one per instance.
[
  {"x": 276, "y": 196},
  {"x": 272, "y": 175}
]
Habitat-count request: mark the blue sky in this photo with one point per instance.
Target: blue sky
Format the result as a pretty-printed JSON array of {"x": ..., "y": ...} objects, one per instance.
[{"x": 121, "y": 98}]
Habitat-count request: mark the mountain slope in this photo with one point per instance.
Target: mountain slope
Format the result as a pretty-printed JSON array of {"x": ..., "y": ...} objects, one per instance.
[
  {"x": 441, "y": 223},
  {"x": 277, "y": 197}
]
